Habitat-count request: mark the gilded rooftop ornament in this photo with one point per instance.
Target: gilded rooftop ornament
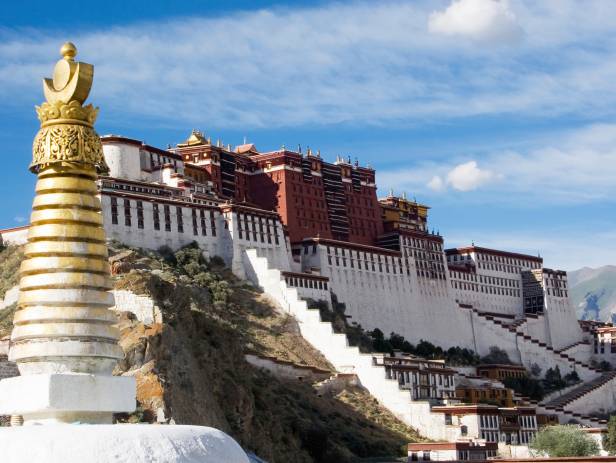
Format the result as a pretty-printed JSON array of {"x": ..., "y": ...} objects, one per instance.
[{"x": 67, "y": 133}]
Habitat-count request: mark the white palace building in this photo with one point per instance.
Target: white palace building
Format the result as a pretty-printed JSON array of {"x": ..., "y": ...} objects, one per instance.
[{"x": 300, "y": 227}]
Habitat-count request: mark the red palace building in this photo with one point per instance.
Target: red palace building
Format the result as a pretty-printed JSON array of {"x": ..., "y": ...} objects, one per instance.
[{"x": 314, "y": 198}]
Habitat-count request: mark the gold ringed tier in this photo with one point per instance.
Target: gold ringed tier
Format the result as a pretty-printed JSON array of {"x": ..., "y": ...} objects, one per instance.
[
  {"x": 63, "y": 322},
  {"x": 38, "y": 314}
]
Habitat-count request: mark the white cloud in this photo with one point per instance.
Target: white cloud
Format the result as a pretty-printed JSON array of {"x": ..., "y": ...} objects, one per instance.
[
  {"x": 19, "y": 219},
  {"x": 485, "y": 20},
  {"x": 579, "y": 169},
  {"x": 436, "y": 183},
  {"x": 358, "y": 63},
  {"x": 467, "y": 176}
]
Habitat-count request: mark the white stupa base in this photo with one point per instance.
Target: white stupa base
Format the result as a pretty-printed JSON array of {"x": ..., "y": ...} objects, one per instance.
[
  {"x": 134, "y": 443},
  {"x": 67, "y": 398}
]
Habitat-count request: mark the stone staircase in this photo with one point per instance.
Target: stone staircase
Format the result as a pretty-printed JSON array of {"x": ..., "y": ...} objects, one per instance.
[
  {"x": 567, "y": 416},
  {"x": 566, "y": 402},
  {"x": 345, "y": 358},
  {"x": 571, "y": 346},
  {"x": 564, "y": 416},
  {"x": 513, "y": 327}
]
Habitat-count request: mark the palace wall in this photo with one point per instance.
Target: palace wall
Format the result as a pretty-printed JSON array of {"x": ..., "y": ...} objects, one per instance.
[
  {"x": 16, "y": 236},
  {"x": 124, "y": 161},
  {"x": 148, "y": 222},
  {"x": 380, "y": 290},
  {"x": 561, "y": 322}
]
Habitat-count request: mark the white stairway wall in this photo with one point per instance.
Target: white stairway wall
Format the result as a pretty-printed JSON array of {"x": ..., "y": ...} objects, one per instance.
[{"x": 335, "y": 347}]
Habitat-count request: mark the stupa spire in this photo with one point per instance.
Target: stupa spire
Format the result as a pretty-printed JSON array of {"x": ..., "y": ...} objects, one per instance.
[{"x": 63, "y": 338}]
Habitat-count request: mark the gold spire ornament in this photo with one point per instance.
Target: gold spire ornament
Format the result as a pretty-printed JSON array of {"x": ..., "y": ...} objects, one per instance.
[
  {"x": 63, "y": 327},
  {"x": 67, "y": 133}
]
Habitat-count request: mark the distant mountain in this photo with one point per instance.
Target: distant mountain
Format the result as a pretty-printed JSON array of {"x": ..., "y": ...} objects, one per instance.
[{"x": 593, "y": 292}]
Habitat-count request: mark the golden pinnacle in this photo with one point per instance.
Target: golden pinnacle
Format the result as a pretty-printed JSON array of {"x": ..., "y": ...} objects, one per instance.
[{"x": 68, "y": 51}]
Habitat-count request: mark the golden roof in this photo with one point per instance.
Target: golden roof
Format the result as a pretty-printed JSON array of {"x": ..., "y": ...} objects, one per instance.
[{"x": 196, "y": 138}]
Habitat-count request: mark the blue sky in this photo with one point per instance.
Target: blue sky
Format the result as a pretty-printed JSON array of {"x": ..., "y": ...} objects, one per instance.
[{"x": 501, "y": 115}]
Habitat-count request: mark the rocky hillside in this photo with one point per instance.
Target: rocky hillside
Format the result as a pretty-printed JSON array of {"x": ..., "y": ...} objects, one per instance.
[
  {"x": 191, "y": 368},
  {"x": 10, "y": 260},
  {"x": 593, "y": 292}
]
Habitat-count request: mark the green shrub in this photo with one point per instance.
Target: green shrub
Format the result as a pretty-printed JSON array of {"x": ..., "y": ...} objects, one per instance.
[
  {"x": 217, "y": 261},
  {"x": 564, "y": 441},
  {"x": 194, "y": 268},
  {"x": 454, "y": 355},
  {"x": 6, "y": 320},
  {"x": 609, "y": 439},
  {"x": 167, "y": 254},
  {"x": 10, "y": 261}
]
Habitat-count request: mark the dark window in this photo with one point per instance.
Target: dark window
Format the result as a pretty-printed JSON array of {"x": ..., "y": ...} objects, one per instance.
[
  {"x": 156, "y": 216},
  {"x": 212, "y": 223},
  {"x": 127, "y": 220},
  {"x": 178, "y": 212},
  {"x": 194, "y": 222},
  {"x": 202, "y": 217},
  {"x": 140, "y": 214},
  {"x": 114, "y": 210},
  {"x": 167, "y": 218},
  {"x": 275, "y": 231},
  {"x": 261, "y": 229}
]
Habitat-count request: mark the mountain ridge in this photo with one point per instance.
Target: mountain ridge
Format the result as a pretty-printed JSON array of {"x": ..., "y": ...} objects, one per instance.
[{"x": 593, "y": 292}]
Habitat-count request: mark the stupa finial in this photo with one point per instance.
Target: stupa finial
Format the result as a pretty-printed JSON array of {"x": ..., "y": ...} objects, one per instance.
[
  {"x": 68, "y": 50},
  {"x": 65, "y": 93}
]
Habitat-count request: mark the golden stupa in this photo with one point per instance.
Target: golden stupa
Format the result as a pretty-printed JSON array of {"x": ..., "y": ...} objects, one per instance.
[
  {"x": 64, "y": 341},
  {"x": 64, "y": 326}
]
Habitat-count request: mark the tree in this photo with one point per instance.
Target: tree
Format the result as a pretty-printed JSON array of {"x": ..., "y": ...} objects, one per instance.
[
  {"x": 461, "y": 356},
  {"x": 572, "y": 377},
  {"x": 526, "y": 386},
  {"x": 609, "y": 440},
  {"x": 379, "y": 343},
  {"x": 553, "y": 379},
  {"x": 535, "y": 370},
  {"x": 604, "y": 365},
  {"x": 497, "y": 355},
  {"x": 428, "y": 350},
  {"x": 564, "y": 441}
]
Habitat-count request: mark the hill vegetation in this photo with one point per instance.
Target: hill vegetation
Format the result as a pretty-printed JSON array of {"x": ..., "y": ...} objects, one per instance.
[{"x": 10, "y": 260}]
